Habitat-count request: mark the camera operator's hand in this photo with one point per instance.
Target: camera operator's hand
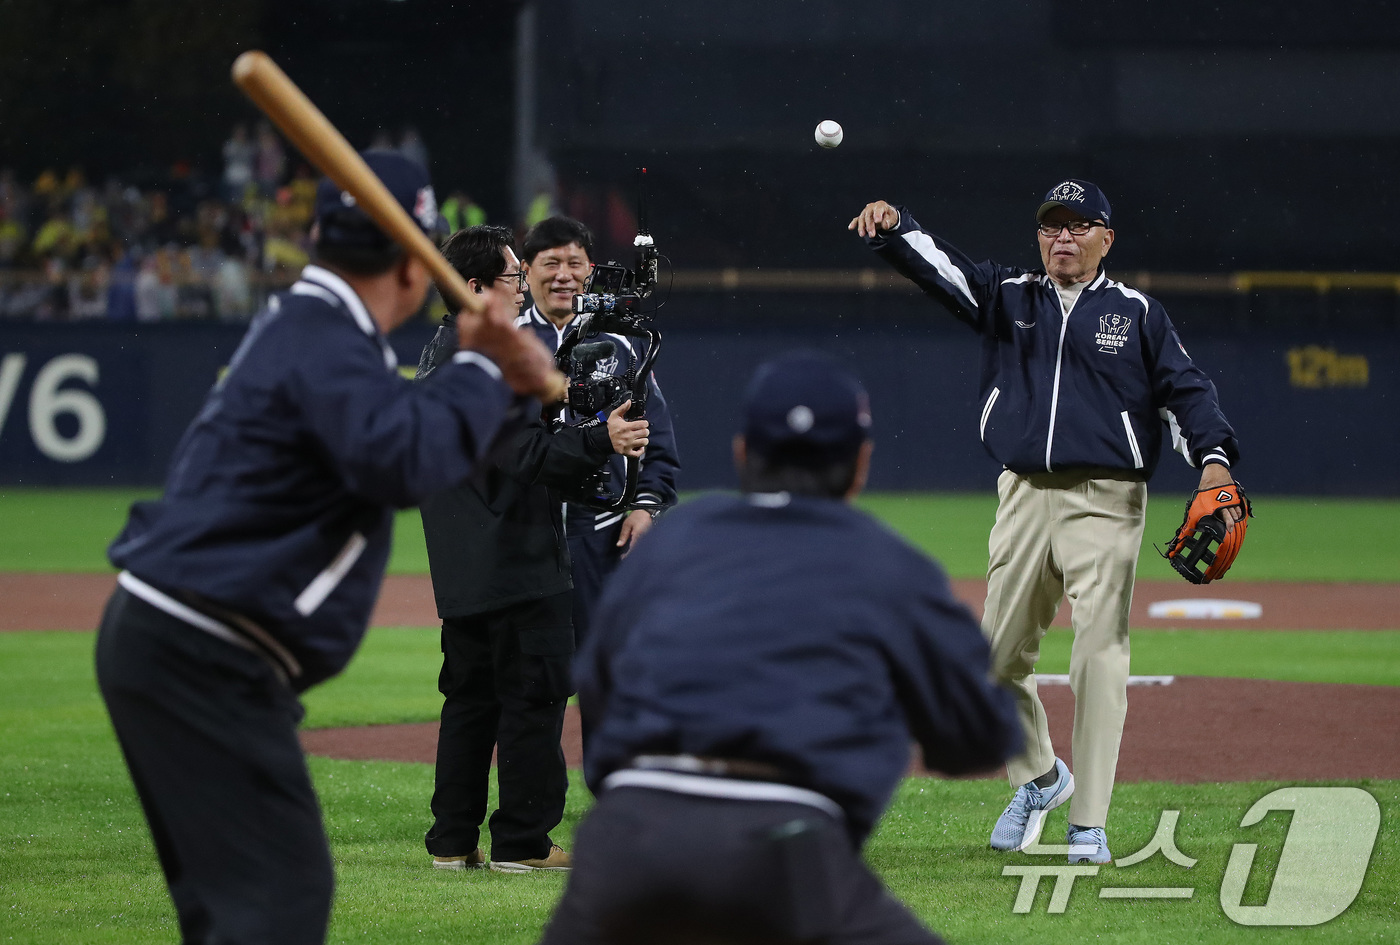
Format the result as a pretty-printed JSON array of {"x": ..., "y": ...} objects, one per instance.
[
  {"x": 526, "y": 364},
  {"x": 634, "y": 526},
  {"x": 629, "y": 437}
]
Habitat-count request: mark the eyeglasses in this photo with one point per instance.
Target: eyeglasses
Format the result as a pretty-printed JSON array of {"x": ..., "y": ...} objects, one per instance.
[
  {"x": 518, "y": 276},
  {"x": 1075, "y": 227}
]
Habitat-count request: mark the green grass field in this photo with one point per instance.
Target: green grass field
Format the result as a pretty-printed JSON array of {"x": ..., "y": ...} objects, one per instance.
[{"x": 76, "y": 863}]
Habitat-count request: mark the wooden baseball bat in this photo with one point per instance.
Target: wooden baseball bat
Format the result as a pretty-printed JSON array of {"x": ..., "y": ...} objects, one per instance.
[{"x": 315, "y": 137}]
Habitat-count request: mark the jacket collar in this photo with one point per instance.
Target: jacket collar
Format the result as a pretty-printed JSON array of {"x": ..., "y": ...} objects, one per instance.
[
  {"x": 321, "y": 282},
  {"x": 325, "y": 279},
  {"x": 1098, "y": 281},
  {"x": 535, "y": 319}
]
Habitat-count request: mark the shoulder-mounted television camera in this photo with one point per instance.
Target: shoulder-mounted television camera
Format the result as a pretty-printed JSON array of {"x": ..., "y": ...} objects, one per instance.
[{"x": 610, "y": 315}]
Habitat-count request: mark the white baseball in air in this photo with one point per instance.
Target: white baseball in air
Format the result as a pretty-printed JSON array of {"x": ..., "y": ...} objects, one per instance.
[{"x": 829, "y": 134}]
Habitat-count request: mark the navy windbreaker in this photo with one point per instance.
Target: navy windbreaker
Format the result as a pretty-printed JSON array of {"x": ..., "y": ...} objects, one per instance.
[
  {"x": 279, "y": 501},
  {"x": 793, "y": 631},
  {"x": 1060, "y": 391}
]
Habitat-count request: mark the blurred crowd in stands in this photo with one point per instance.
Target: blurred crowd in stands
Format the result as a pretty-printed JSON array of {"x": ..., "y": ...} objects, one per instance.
[{"x": 177, "y": 245}]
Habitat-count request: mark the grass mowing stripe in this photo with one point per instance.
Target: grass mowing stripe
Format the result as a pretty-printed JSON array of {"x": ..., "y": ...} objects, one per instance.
[
  {"x": 1360, "y": 538},
  {"x": 1371, "y": 657},
  {"x": 1348, "y": 539},
  {"x": 394, "y": 677},
  {"x": 61, "y": 529}
]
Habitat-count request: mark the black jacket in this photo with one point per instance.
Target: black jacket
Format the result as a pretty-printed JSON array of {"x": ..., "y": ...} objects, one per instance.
[{"x": 498, "y": 538}]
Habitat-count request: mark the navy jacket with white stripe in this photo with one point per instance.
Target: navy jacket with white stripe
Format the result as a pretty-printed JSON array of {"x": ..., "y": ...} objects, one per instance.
[
  {"x": 1087, "y": 388},
  {"x": 656, "y": 481},
  {"x": 278, "y": 506}
]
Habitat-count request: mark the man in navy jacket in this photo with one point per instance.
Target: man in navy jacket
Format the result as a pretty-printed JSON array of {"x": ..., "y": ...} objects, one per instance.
[
  {"x": 252, "y": 578},
  {"x": 753, "y": 682},
  {"x": 1079, "y": 373},
  {"x": 558, "y": 256}
]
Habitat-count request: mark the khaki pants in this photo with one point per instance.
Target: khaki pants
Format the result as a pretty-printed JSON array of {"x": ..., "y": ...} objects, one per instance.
[{"x": 1074, "y": 533}]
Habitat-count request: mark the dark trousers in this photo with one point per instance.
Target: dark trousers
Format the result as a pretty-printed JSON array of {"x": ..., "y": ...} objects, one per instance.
[
  {"x": 505, "y": 681},
  {"x": 209, "y": 735},
  {"x": 656, "y": 866},
  {"x": 594, "y": 556}
]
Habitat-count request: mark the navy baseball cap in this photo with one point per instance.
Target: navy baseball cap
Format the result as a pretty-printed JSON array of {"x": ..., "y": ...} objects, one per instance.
[
  {"x": 343, "y": 223},
  {"x": 1080, "y": 196},
  {"x": 807, "y": 408}
]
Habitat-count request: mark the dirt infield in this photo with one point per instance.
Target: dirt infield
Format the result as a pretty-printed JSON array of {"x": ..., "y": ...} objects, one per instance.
[
  {"x": 74, "y": 602},
  {"x": 1194, "y": 730}
]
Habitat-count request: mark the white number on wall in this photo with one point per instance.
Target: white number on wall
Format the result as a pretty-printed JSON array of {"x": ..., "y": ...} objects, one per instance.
[
  {"x": 49, "y": 399},
  {"x": 11, "y": 369}
]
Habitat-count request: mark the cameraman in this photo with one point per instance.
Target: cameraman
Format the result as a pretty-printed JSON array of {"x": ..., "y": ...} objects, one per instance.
[
  {"x": 500, "y": 573},
  {"x": 558, "y": 257}
]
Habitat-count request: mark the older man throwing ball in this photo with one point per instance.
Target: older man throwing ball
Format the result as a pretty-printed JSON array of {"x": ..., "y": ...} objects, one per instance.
[{"x": 1079, "y": 373}]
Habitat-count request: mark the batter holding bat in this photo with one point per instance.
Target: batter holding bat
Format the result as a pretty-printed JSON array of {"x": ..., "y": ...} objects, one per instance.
[
  {"x": 1078, "y": 373},
  {"x": 252, "y": 578}
]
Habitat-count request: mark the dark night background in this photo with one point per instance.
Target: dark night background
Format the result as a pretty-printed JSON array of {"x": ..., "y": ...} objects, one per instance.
[
  {"x": 129, "y": 86},
  {"x": 1229, "y": 136}
]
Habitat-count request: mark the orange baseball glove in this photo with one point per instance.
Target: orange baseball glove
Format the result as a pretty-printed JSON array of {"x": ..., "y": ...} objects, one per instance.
[{"x": 1204, "y": 547}]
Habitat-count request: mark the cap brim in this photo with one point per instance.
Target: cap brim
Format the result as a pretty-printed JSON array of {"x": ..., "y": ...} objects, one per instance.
[{"x": 1045, "y": 208}]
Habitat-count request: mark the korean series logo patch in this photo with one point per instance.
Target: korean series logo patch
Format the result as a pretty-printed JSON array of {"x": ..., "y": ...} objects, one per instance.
[
  {"x": 1112, "y": 333},
  {"x": 1068, "y": 192}
]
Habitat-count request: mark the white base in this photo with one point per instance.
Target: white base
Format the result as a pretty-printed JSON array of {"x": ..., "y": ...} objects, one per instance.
[
  {"x": 1061, "y": 679},
  {"x": 1205, "y": 609}
]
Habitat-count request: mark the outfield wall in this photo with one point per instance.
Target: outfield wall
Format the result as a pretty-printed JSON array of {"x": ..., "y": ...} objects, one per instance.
[{"x": 1318, "y": 411}]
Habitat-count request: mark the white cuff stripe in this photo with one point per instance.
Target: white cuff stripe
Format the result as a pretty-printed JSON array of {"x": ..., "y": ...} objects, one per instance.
[{"x": 480, "y": 360}]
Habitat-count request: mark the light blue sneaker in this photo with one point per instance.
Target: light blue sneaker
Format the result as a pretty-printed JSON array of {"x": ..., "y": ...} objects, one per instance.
[
  {"x": 1020, "y": 824},
  {"x": 1087, "y": 845}
]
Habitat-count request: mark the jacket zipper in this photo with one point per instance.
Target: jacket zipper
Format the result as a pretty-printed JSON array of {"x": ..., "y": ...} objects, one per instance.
[{"x": 1059, "y": 355}]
